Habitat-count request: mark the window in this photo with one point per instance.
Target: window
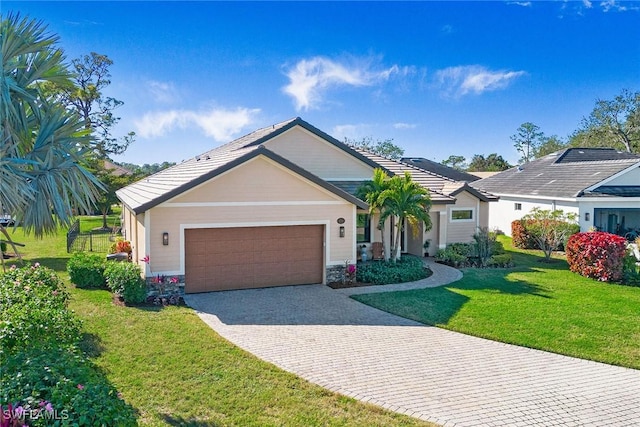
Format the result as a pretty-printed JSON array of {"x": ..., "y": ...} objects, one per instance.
[
  {"x": 587, "y": 217},
  {"x": 517, "y": 206},
  {"x": 461, "y": 214},
  {"x": 363, "y": 228}
]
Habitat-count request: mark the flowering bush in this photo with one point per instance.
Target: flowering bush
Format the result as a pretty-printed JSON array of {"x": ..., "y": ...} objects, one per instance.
[
  {"x": 33, "y": 310},
  {"x": 41, "y": 385},
  {"x": 598, "y": 255},
  {"x": 86, "y": 270},
  {"x": 520, "y": 238},
  {"x": 121, "y": 245},
  {"x": 125, "y": 279}
]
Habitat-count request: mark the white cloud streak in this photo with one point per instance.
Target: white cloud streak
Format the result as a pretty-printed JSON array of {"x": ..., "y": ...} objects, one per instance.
[
  {"x": 218, "y": 123},
  {"x": 403, "y": 126},
  {"x": 459, "y": 81},
  {"x": 163, "y": 92},
  {"x": 618, "y": 6},
  {"x": 309, "y": 79}
]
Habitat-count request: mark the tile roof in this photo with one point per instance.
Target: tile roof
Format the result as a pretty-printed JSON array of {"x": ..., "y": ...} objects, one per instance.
[
  {"x": 443, "y": 189},
  {"x": 564, "y": 174},
  {"x": 440, "y": 169},
  {"x": 169, "y": 183}
]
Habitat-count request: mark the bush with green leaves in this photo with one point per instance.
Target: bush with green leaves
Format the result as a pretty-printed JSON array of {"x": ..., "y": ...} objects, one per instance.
[
  {"x": 406, "y": 269},
  {"x": 500, "y": 261},
  {"x": 64, "y": 383},
  {"x": 33, "y": 310},
  {"x": 87, "y": 270},
  {"x": 125, "y": 279}
]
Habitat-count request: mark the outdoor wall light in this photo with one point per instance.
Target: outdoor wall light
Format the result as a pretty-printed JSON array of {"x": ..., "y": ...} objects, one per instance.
[
  {"x": 165, "y": 238},
  {"x": 341, "y": 231}
]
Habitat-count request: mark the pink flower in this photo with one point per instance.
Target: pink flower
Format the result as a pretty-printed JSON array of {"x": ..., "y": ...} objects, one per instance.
[
  {"x": 173, "y": 280},
  {"x": 36, "y": 265},
  {"x": 145, "y": 259},
  {"x": 49, "y": 407},
  {"x": 80, "y": 387},
  {"x": 351, "y": 269}
]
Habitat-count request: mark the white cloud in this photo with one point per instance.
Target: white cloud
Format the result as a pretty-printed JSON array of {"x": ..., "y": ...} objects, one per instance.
[
  {"x": 521, "y": 3},
  {"x": 351, "y": 131},
  {"x": 587, "y": 4},
  {"x": 164, "y": 92},
  {"x": 473, "y": 79},
  {"x": 218, "y": 123},
  {"x": 310, "y": 78},
  {"x": 403, "y": 126},
  {"x": 617, "y": 6}
]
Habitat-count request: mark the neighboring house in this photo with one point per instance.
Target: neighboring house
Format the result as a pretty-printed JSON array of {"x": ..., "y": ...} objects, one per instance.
[
  {"x": 601, "y": 185},
  {"x": 277, "y": 207}
]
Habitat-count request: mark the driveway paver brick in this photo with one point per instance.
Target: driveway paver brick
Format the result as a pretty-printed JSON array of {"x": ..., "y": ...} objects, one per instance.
[{"x": 433, "y": 374}]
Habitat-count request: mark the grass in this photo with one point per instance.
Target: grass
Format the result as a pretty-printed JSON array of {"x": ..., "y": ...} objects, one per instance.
[
  {"x": 175, "y": 370},
  {"x": 534, "y": 304}
]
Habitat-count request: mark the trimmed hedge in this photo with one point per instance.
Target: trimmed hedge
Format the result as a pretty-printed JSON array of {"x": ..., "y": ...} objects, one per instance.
[
  {"x": 125, "y": 279},
  {"x": 406, "y": 269},
  {"x": 87, "y": 270},
  {"x": 597, "y": 255}
]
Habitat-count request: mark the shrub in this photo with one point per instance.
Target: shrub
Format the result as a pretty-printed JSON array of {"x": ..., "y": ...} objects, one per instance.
[
  {"x": 120, "y": 245},
  {"x": 406, "y": 269},
  {"x": 33, "y": 310},
  {"x": 630, "y": 270},
  {"x": 484, "y": 243},
  {"x": 124, "y": 278},
  {"x": 64, "y": 383},
  {"x": 500, "y": 261},
  {"x": 450, "y": 257},
  {"x": 520, "y": 238},
  {"x": 86, "y": 270},
  {"x": 598, "y": 255}
]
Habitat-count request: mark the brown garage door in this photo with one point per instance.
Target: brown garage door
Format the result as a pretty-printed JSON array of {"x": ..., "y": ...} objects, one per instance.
[{"x": 252, "y": 257}]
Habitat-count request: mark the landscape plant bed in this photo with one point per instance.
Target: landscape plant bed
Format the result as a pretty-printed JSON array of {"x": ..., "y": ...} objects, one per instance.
[{"x": 151, "y": 301}]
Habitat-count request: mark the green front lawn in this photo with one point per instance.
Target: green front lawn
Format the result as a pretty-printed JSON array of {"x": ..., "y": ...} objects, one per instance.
[
  {"x": 175, "y": 370},
  {"x": 534, "y": 304}
]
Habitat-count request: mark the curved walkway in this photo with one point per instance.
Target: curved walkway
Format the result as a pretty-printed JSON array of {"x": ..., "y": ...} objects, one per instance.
[{"x": 324, "y": 336}]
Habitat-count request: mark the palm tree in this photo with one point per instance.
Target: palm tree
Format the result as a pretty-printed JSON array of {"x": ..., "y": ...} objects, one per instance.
[
  {"x": 370, "y": 192},
  {"x": 43, "y": 146},
  {"x": 405, "y": 199}
]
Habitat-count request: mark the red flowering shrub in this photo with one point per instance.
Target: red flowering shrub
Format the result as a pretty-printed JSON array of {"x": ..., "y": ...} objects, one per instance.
[
  {"x": 598, "y": 255},
  {"x": 521, "y": 239}
]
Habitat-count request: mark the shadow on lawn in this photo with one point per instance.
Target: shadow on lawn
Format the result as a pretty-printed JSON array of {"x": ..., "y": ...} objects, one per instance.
[{"x": 173, "y": 420}]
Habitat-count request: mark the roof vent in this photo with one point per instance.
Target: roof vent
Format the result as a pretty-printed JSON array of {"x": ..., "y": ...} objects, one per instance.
[
  {"x": 207, "y": 157},
  {"x": 520, "y": 168},
  {"x": 197, "y": 158}
]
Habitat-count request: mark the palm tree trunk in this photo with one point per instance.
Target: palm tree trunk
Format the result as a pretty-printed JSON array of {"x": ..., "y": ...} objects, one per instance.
[{"x": 396, "y": 246}]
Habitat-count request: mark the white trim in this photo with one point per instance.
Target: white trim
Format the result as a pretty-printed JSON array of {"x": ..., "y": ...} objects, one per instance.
[
  {"x": 184, "y": 227},
  {"x": 230, "y": 204},
  {"x": 457, "y": 221},
  {"x": 606, "y": 200},
  {"x": 535, "y": 196},
  {"x": 147, "y": 241},
  {"x": 612, "y": 177},
  {"x": 354, "y": 238}
]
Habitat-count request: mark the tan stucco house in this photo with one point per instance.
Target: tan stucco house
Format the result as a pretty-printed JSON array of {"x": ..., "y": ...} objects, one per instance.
[{"x": 277, "y": 207}]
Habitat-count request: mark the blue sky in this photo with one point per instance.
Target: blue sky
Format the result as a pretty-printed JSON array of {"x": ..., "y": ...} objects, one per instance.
[{"x": 439, "y": 78}]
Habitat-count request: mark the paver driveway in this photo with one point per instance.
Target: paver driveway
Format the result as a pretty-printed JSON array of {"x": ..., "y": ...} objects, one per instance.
[{"x": 449, "y": 378}]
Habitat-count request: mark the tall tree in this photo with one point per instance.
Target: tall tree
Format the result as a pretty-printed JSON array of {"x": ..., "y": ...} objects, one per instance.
[
  {"x": 456, "y": 162},
  {"x": 370, "y": 192},
  {"x": 527, "y": 139},
  {"x": 492, "y": 163},
  {"x": 407, "y": 200},
  {"x": 384, "y": 148},
  {"x": 44, "y": 145},
  {"x": 550, "y": 145},
  {"x": 91, "y": 77},
  {"x": 614, "y": 123}
]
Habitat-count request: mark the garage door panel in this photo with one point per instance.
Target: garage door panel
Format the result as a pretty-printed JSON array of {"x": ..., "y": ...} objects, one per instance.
[{"x": 253, "y": 257}]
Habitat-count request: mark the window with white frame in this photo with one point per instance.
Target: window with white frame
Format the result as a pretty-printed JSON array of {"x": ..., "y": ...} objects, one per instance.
[{"x": 461, "y": 215}]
